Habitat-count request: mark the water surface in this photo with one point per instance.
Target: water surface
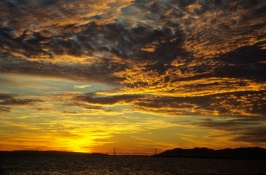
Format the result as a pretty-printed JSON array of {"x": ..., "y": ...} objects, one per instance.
[{"x": 126, "y": 165}]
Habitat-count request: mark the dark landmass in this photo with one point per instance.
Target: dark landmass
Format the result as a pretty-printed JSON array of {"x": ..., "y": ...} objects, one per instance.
[
  {"x": 37, "y": 153},
  {"x": 254, "y": 153},
  {"x": 47, "y": 153}
]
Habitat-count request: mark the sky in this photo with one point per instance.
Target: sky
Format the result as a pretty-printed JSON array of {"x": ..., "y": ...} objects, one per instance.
[{"x": 135, "y": 75}]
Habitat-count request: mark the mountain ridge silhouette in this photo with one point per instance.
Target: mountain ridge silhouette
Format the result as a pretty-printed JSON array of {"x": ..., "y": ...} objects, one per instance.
[{"x": 254, "y": 153}]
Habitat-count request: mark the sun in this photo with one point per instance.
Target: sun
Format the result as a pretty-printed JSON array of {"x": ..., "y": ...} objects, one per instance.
[{"x": 79, "y": 145}]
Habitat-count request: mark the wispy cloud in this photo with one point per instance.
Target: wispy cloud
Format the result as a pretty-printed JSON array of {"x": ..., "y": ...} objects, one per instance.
[
  {"x": 81, "y": 86},
  {"x": 109, "y": 100},
  {"x": 7, "y": 101},
  {"x": 248, "y": 130}
]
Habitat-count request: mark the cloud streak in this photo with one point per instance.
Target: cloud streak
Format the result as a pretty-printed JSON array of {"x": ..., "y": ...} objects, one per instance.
[
  {"x": 8, "y": 101},
  {"x": 245, "y": 130}
]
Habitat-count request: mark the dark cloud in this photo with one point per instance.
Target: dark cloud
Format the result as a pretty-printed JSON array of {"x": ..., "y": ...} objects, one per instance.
[
  {"x": 4, "y": 109},
  {"x": 17, "y": 102},
  {"x": 248, "y": 130},
  {"x": 232, "y": 124},
  {"x": 254, "y": 135},
  {"x": 95, "y": 72},
  {"x": 243, "y": 63},
  {"x": 57, "y": 28},
  {"x": 199, "y": 57},
  {"x": 226, "y": 104},
  {"x": 5, "y": 96},
  {"x": 8, "y": 100}
]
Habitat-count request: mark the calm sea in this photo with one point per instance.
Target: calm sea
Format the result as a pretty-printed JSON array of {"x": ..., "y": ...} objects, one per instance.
[{"x": 126, "y": 165}]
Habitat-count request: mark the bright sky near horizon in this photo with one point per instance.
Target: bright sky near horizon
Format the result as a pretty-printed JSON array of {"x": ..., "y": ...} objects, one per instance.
[{"x": 93, "y": 75}]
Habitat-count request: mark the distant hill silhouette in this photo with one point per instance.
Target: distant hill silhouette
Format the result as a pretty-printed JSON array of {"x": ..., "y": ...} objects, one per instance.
[
  {"x": 254, "y": 153},
  {"x": 47, "y": 153}
]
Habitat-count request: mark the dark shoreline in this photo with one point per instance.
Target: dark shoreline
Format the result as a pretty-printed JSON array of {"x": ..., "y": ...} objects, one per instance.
[
  {"x": 254, "y": 153},
  {"x": 47, "y": 153}
]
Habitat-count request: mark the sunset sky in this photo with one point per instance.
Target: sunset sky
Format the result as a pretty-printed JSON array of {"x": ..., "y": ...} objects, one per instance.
[{"x": 93, "y": 75}]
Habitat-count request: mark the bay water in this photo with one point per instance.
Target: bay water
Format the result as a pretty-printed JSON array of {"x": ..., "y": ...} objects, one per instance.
[{"x": 126, "y": 165}]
